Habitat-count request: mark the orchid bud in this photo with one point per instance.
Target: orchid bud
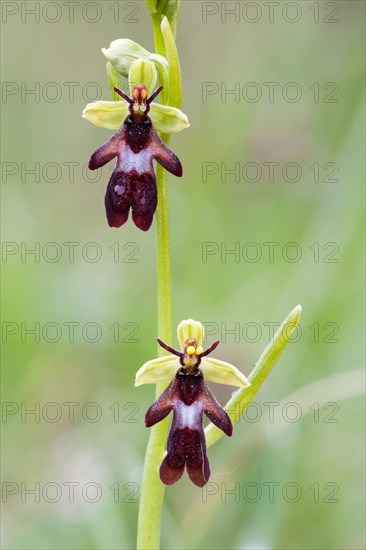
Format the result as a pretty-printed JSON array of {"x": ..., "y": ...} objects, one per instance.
[
  {"x": 163, "y": 7},
  {"x": 122, "y": 52}
]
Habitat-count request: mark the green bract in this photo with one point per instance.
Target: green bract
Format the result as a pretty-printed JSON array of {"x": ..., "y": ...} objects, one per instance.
[
  {"x": 111, "y": 114},
  {"x": 174, "y": 73},
  {"x": 143, "y": 71}
]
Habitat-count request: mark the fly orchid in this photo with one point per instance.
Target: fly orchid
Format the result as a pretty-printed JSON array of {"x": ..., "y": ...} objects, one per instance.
[
  {"x": 189, "y": 398},
  {"x": 136, "y": 145}
]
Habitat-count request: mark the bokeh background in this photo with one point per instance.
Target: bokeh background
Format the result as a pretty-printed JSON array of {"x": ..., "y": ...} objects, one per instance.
[{"x": 292, "y": 476}]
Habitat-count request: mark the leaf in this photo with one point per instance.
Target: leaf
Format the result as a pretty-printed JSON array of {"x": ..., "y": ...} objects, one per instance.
[
  {"x": 236, "y": 406},
  {"x": 171, "y": 54}
]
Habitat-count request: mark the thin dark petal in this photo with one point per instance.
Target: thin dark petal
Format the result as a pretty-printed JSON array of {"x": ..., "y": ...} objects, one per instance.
[
  {"x": 214, "y": 411},
  {"x": 154, "y": 95},
  {"x": 106, "y": 152},
  {"x": 168, "y": 348},
  {"x": 164, "y": 156},
  {"x": 124, "y": 96},
  {"x": 210, "y": 349},
  {"x": 161, "y": 407}
]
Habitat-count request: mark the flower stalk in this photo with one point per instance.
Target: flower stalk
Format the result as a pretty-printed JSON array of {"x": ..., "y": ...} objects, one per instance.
[{"x": 152, "y": 489}]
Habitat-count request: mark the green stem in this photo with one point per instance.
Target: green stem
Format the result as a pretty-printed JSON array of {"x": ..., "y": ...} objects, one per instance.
[
  {"x": 152, "y": 489},
  {"x": 164, "y": 272}
]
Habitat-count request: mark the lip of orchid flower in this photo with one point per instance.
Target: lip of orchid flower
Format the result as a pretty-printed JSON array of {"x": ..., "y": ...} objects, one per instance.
[{"x": 189, "y": 398}]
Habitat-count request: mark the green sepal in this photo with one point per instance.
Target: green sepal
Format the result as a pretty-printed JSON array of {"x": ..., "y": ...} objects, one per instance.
[
  {"x": 222, "y": 373},
  {"x": 106, "y": 114},
  {"x": 111, "y": 114},
  {"x": 157, "y": 370},
  {"x": 167, "y": 119}
]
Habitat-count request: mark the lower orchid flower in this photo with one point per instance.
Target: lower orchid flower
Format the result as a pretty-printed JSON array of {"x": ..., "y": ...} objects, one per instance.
[{"x": 189, "y": 398}]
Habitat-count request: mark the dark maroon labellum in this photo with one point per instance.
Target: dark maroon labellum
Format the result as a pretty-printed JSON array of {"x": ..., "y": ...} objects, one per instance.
[
  {"x": 189, "y": 398},
  {"x": 136, "y": 145}
]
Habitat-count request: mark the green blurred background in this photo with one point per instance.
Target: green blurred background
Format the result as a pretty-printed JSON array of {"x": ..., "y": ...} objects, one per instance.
[{"x": 296, "y": 476}]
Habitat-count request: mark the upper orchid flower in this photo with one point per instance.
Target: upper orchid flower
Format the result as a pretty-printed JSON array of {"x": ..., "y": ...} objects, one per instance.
[
  {"x": 136, "y": 145},
  {"x": 189, "y": 398}
]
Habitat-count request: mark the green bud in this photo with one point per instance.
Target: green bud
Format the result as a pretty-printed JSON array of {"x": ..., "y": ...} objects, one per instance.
[
  {"x": 151, "y": 5},
  {"x": 163, "y": 7},
  {"x": 190, "y": 329},
  {"x": 144, "y": 72},
  {"x": 121, "y": 53}
]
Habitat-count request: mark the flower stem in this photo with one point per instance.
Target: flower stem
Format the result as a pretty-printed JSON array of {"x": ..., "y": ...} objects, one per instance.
[
  {"x": 164, "y": 272},
  {"x": 152, "y": 489}
]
